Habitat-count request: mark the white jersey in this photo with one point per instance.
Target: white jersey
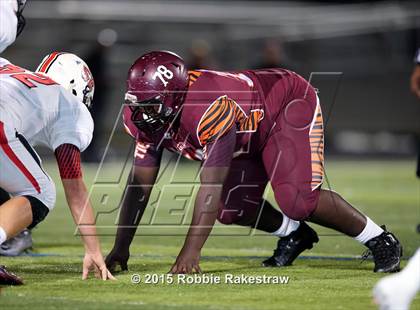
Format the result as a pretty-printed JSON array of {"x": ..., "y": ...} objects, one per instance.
[
  {"x": 42, "y": 111},
  {"x": 8, "y": 23}
]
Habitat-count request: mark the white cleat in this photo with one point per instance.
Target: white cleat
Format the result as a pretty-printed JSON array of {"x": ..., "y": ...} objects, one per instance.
[
  {"x": 389, "y": 296},
  {"x": 396, "y": 291},
  {"x": 17, "y": 245}
]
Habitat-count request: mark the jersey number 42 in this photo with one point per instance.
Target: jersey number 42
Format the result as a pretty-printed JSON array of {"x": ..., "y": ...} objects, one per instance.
[{"x": 27, "y": 78}]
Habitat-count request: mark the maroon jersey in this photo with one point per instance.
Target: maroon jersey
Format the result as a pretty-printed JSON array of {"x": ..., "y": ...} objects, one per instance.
[{"x": 215, "y": 103}]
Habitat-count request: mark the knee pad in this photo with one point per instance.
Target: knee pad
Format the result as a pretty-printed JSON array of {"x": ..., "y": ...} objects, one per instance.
[
  {"x": 295, "y": 203},
  {"x": 39, "y": 211}
]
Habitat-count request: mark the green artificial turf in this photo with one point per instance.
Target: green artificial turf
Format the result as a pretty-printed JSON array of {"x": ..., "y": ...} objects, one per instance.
[{"x": 327, "y": 277}]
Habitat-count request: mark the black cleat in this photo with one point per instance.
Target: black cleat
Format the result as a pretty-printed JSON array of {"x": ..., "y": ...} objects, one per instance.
[
  {"x": 9, "y": 278},
  {"x": 288, "y": 248},
  {"x": 386, "y": 251}
]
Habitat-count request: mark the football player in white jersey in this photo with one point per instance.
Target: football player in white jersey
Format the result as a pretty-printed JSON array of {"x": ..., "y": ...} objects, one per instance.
[
  {"x": 48, "y": 107},
  {"x": 12, "y": 21},
  {"x": 397, "y": 291}
]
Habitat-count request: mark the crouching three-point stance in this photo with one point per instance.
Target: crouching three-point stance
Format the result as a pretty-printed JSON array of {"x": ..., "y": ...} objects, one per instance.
[
  {"x": 247, "y": 128},
  {"x": 48, "y": 107}
]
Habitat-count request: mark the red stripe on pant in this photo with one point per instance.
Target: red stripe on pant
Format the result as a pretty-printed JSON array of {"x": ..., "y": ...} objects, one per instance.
[{"x": 12, "y": 156}]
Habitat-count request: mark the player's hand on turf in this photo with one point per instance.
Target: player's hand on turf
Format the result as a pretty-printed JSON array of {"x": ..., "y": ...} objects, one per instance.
[
  {"x": 187, "y": 262},
  {"x": 95, "y": 262},
  {"x": 117, "y": 257}
]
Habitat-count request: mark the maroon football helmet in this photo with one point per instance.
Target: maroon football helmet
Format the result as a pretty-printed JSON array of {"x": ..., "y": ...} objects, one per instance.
[{"x": 157, "y": 84}]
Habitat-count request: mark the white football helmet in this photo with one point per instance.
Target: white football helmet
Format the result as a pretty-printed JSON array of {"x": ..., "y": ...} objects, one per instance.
[{"x": 71, "y": 72}]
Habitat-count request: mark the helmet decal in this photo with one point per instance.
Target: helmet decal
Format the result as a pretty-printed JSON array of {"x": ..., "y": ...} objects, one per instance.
[{"x": 47, "y": 62}]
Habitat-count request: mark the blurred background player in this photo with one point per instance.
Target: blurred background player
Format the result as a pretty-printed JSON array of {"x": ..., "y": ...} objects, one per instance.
[
  {"x": 398, "y": 291},
  {"x": 35, "y": 109},
  {"x": 273, "y": 56},
  {"x": 415, "y": 88},
  {"x": 200, "y": 55},
  {"x": 415, "y": 77},
  {"x": 247, "y": 128},
  {"x": 97, "y": 59}
]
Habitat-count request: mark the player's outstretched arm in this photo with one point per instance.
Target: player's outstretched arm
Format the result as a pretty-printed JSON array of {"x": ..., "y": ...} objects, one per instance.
[
  {"x": 205, "y": 213},
  {"x": 68, "y": 159},
  {"x": 213, "y": 174},
  {"x": 135, "y": 198}
]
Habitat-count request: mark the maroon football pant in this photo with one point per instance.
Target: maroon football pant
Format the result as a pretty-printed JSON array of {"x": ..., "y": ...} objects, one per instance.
[{"x": 291, "y": 159}]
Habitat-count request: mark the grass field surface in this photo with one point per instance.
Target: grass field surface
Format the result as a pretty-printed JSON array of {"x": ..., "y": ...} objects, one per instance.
[{"x": 330, "y": 276}]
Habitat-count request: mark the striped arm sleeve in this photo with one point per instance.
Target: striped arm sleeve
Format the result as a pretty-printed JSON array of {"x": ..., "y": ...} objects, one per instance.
[{"x": 69, "y": 162}]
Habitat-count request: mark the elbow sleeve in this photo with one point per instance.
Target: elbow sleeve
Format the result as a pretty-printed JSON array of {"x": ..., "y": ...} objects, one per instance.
[{"x": 69, "y": 163}]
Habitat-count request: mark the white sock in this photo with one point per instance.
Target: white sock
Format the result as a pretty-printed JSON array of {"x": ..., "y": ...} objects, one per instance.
[
  {"x": 3, "y": 236},
  {"x": 287, "y": 227},
  {"x": 370, "y": 231}
]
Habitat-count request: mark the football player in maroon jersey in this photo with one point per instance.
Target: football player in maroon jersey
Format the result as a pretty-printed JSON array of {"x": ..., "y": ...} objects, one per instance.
[{"x": 247, "y": 128}]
